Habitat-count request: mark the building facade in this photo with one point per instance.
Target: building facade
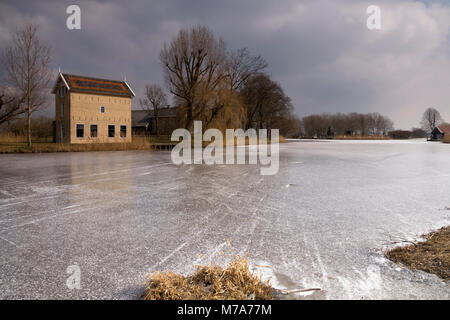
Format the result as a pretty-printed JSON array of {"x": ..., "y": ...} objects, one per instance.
[{"x": 92, "y": 110}]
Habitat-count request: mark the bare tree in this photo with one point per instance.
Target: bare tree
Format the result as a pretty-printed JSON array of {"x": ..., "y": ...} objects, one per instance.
[
  {"x": 290, "y": 127},
  {"x": 11, "y": 105},
  {"x": 431, "y": 118},
  {"x": 265, "y": 102},
  {"x": 241, "y": 65},
  {"x": 193, "y": 64},
  {"x": 155, "y": 99},
  {"x": 224, "y": 90},
  {"x": 26, "y": 64}
]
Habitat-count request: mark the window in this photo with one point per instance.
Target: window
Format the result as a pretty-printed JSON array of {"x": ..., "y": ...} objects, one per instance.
[
  {"x": 111, "y": 131},
  {"x": 93, "y": 131},
  {"x": 62, "y": 91},
  {"x": 102, "y": 109},
  {"x": 63, "y": 131},
  {"x": 80, "y": 130},
  {"x": 123, "y": 131},
  {"x": 62, "y": 109}
]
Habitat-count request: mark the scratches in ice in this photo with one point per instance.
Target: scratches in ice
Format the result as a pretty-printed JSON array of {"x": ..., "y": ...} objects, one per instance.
[
  {"x": 35, "y": 221},
  {"x": 10, "y": 242},
  {"x": 169, "y": 256}
]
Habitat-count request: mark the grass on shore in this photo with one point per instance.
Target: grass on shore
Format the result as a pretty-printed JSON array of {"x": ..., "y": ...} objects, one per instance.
[
  {"x": 361, "y": 138},
  {"x": 166, "y": 140},
  {"x": 13, "y": 144},
  {"x": 18, "y": 144},
  {"x": 446, "y": 139},
  {"x": 432, "y": 255},
  {"x": 235, "y": 282}
]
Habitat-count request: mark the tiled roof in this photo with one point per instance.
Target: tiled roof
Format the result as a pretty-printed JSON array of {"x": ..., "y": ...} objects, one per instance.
[
  {"x": 97, "y": 86},
  {"x": 444, "y": 128}
]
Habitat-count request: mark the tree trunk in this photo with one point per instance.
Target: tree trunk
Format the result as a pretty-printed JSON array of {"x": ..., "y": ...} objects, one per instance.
[
  {"x": 189, "y": 117},
  {"x": 29, "y": 127},
  {"x": 156, "y": 122}
]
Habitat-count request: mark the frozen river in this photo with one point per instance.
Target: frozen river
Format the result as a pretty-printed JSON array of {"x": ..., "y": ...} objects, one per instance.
[{"x": 321, "y": 222}]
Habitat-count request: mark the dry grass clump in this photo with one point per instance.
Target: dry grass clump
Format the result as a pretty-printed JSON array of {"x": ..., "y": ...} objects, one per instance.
[
  {"x": 446, "y": 139},
  {"x": 235, "y": 282},
  {"x": 432, "y": 256}
]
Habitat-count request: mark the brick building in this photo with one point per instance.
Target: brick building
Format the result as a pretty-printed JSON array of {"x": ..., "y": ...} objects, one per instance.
[{"x": 92, "y": 110}]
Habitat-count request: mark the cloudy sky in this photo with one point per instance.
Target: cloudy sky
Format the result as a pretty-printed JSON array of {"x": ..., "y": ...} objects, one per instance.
[{"x": 320, "y": 51}]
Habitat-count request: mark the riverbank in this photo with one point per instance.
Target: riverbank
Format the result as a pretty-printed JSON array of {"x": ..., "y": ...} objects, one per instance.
[
  {"x": 19, "y": 145},
  {"x": 362, "y": 138},
  {"x": 138, "y": 143},
  {"x": 446, "y": 139},
  {"x": 432, "y": 255}
]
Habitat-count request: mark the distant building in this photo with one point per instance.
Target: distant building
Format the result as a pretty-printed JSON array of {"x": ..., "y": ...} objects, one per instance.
[
  {"x": 440, "y": 131},
  {"x": 92, "y": 110},
  {"x": 400, "y": 134},
  {"x": 144, "y": 121}
]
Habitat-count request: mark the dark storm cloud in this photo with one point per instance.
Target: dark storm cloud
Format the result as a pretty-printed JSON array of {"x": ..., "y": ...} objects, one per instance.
[{"x": 320, "y": 51}]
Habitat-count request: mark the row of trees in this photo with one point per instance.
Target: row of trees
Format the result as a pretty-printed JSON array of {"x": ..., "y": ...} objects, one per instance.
[
  {"x": 222, "y": 88},
  {"x": 27, "y": 77},
  {"x": 351, "y": 124}
]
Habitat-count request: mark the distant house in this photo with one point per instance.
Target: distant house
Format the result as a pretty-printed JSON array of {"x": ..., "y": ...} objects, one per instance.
[
  {"x": 400, "y": 134},
  {"x": 92, "y": 110},
  {"x": 144, "y": 121},
  {"x": 139, "y": 122},
  {"x": 440, "y": 131}
]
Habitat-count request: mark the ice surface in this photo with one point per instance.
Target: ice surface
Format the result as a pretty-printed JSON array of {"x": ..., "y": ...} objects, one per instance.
[{"x": 321, "y": 222}]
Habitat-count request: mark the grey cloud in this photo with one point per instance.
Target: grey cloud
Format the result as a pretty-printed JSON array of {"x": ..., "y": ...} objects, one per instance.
[{"x": 320, "y": 51}]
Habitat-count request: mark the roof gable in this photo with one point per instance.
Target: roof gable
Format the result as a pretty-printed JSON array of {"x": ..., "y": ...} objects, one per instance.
[{"x": 60, "y": 80}]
